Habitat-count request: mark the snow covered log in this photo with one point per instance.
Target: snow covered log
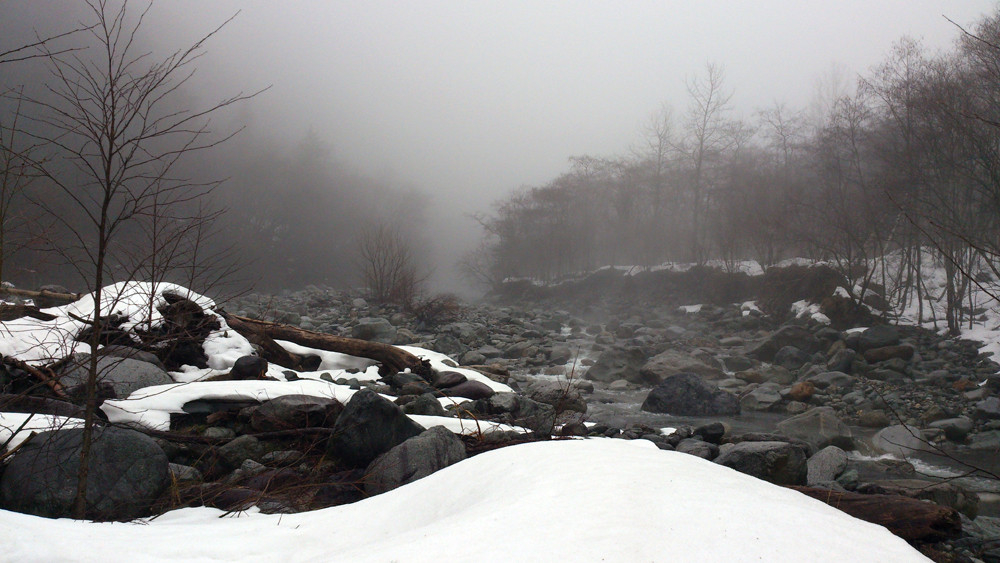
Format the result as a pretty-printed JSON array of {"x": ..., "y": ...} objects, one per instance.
[{"x": 391, "y": 358}]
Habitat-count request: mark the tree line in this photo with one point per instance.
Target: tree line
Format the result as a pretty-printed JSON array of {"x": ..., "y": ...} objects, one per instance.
[{"x": 877, "y": 177}]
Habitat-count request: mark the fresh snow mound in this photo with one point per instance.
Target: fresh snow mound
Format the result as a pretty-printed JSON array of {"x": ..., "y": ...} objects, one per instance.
[
  {"x": 582, "y": 500},
  {"x": 16, "y": 427}
]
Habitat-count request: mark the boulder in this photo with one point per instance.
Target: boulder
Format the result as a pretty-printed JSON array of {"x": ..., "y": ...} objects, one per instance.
[
  {"x": 470, "y": 390},
  {"x": 788, "y": 335},
  {"x": 899, "y": 351},
  {"x": 899, "y": 439},
  {"x": 295, "y": 411},
  {"x": 819, "y": 427},
  {"x": 780, "y": 463},
  {"x": 127, "y": 472},
  {"x": 374, "y": 329},
  {"x": 425, "y": 404},
  {"x": 562, "y": 396},
  {"x": 672, "y": 362},
  {"x": 417, "y": 457},
  {"x": 514, "y": 409},
  {"x": 618, "y": 363},
  {"x": 122, "y": 374},
  {"x": 826, "y": 465},
  {"x": 686, "y": 394},
  {"x": 762, "y": 398},
  {"x": 249, "y": 367},
  {"x": 790, "y": 358},
  {"x": 698, "y": 448},
  {"x": 369, "y": 426},
  {"x": 878, "y": 336},
  {"x": 955, "y": 429},
  {"x": 987, "y": 409}
]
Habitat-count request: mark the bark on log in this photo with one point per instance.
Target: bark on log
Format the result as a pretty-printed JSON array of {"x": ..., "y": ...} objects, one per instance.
[
  {"x": 270, "y": 350},
  {"x": 67, "y": 298},
  {"x": 33, "y": 404},
  {"x": 391, "y": 358},
  {"x": 913, "y": 520},
  {"x": 49, "y": 379}
]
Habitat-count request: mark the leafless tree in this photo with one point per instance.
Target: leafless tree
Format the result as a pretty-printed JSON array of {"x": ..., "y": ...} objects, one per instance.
[{"x": 389, "y": 267}]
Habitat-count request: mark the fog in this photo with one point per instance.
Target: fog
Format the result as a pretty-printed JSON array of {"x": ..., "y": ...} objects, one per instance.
[{"x": 465, "y": 101}]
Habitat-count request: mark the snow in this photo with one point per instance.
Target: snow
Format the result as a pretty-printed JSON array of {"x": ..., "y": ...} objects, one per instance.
[
  {"x": 580, "y": 500},
  {"x": 17, "y": 427},
  {"x": 689, "y": 309}
]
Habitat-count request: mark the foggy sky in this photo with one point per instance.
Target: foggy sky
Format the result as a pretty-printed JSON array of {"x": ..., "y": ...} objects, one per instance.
[{"x": 469, "y": 100}]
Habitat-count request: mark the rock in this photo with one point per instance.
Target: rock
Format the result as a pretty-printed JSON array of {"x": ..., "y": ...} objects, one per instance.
[
  {"x": 878, "y": 336},
  {"x": 841, "y": 360},
  {"x": 127, "y": 472},
  {"x": 985, "y": 441},
  {"x": 425, "y": 404},
  {"x": 672, "y": 362},
  {"x": 686, "y": 394},
  {"x": 562, "y": 396},
  {"x": 119, "y": 351},
  {"x": 249, "y": 367},
  {"x": 819, "y": 427},
  {"x": 473, "y": 357},
  {"x": 796, "y": 407},
  {"x": 619, "y": 385},
  {"x": 802, "y": 391},
  {"x": 711, "y": 432},
  {"x": 944, "y": 494},
  {"x": 788, "y": 335},
  {"x": 123, "y": 375},
  {"x": 955, "y": 429},
  {"x": 697, "y": 448},
  {"x": 235, "y": 452},
  {"x": 826, "y": 465},
  {"x": 731, "y": 341},
  {"x": 617, "y": 363},
  {"x": 574, "y": 429},
  {"x": 874, "y": 419},
  {"x": 374, "y": 329},
  {"x": 902, "y": 352},
  {"x": 470, "y": 390},
  {"x": 900, "y": 439},
  {"x": 761, "y": 399},
  {"x": 369, "y": 426},
  {"x": 295, "y": 411},
  {"x": 446, "y": 379},
  {"x": 987, "y": 409},
  {"x": 185, "y": 473},
  {"x": 417, "y": 457},
  {"x": 780, "y": 463},
  {"x": 518, "y": 410},
  {"x": 834, "y": 379},
  {"x": 737, "y": 363},
  {"x": 790, "y": 358}
]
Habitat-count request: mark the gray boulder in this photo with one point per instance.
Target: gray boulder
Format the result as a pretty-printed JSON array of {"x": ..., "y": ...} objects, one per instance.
[
  {"x": 295, "y": 411},
  {"x": 124, "y": 375},
  {"x": 518, "y": 410},
  {"x": 826, "y": 465},
  {"x": 562, "y": 396},
  {"x": 761, "y": 398},
  {"x": 780, "y": 463},
  {"x": 819, "y": 427},
  {"x": 878, "y": 337},
  {"x": 788, "y": 335},
  {"x": 417, "y": 457},
  {"x": 369, "y": 426},
  {"x": 955, "y": 429},
  {"x": 790, "y": 358},
  {"x": 618, "y": 363},
  {"x": 374, "y": 329},
  {"x": 899, "y": 439},
  {"x": 835, "y": 379},
  {"x": 127, "y": 472},
  {"x": 672, "y": 362},
  {"x": 686, "y": 394},
  {"x": 698, "y": 448}
]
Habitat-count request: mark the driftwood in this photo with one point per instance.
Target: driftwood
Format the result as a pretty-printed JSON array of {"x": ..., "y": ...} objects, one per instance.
[
  {"x": 913, "y": 520},
  {"x": 38, "y": 405},
  {"x": 51, "y": 296},
  {"x": 391, "y": 358},
  {"x": 12, "y": 312},
  {"x": 43, "y": 375}
]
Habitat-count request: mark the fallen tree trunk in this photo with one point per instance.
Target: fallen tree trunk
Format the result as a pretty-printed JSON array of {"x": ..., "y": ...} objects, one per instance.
[
  {"x": 913, "y": 520},
  {"x": 43, "y": 375},
  {"x": 33, "y": 404},
  {"x": 51, "y": 296},
  {"x": 391, "y": 359}
]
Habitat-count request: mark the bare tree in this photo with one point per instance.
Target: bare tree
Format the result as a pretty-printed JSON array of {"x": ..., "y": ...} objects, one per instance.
[
  {"x": 389, "y": 268},
  {"x": 115, "y": 138}
]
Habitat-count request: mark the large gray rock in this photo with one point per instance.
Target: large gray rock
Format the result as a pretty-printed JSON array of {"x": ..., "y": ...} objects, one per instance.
[
  {"x": 374, "y": 329},
  {"x": 878, "y": 337},
  {"x": 563, "y": 396},
  {"x": 788, "y": 335},
  {"x": 899, "y": 439},
  {"x": 125, "y": 375},
  {"x": 417, "y": 457},
  {"x": 672, "y": 362},
  {"x": 955, "y": 429},
  {"x": 761, "y": 398},
  {"x": 295, "y": 411},
  {"x": 686, "y": 394},
  {"x": 369, "y": 426},
  {"x": 780, "y": 463},
  {"x": 819, "y": 427},
  {"x": 826, "y": 465},
  {"x": 518, "y": 410},
  {"x": 618, "y": 363},
  {"x": 127, "y": 471}
]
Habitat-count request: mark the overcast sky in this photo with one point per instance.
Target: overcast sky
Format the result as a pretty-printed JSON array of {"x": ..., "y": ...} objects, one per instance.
[{"x": 468, "y": 100}]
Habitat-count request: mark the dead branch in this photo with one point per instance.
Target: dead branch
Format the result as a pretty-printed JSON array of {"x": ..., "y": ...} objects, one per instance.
[
  {"x": 67, "y": 297},
  {"x": 42, "y": 374}
]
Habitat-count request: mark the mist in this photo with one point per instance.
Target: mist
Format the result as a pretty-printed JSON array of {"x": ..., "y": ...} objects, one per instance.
[{"x": 462, "y": 103}]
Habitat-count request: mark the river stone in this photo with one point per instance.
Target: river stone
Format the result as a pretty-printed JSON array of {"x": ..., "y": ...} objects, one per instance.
[
  {"x": 955, "y": 429},
  {"x": 672, "y": 362},
  {"x": 249, "y": 367},
  {"x": 470, "y": 390},
  {"x": 826, "y": 465},
  {"x": 697, "y": 448},
  {"x": 762, "y": 398},
  {"x": 375, "y": 329},
  {"x": 790, "y": 358},
  {"x": 562, "y": 396},
  {"x": 835, "y": 379},
  {"x": 899, "y": 439},
  {"x": 819, "y": 427},
  {"x": 369, "y": 426},
  {"x": 127, "y": 472},
  {"x": 900, "y": 352},
  {"x": 417, "y": 457},
  {"x": 123, "y": 374},
  {"x": 518, "y": 410},
  {"x": 987, "y": 409},
  {"x": 686, "y": 394},
  {"x": 878, "y": 337},
  {"x": 780, "y": 463},
  {"x": 985, "y": 441},
  {"x": 425, "y": 404},
  {"x": 295, "y": 411},
  {"x": 618, "y": 363},
  {"x": 788, "y": 335}
]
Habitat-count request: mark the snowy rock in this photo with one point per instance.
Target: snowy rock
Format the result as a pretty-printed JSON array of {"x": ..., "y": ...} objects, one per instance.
[
  {"x": 127, "y": 472},
  {"x": 368, "y": 427},
  {"x": 686, "y": 394},
  {"x": 417, "y": 457},
  {"x": 780, "y": 463}
]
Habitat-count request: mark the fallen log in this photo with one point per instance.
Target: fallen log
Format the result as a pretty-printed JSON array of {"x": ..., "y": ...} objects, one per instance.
[
  {"x": 270, "y": 350},
  {"x": 51, "y": 296},
  {"x": 391, "y": 359},
  {"x": 913, "y": 520},
  {"x": 33, "y": 404},
  {"x": 44, "y": 375}
]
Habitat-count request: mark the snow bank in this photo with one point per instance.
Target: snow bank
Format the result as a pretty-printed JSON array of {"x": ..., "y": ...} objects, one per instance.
[
  {"x": 16, "y": 427},
  {"x": 583, "y": 500}
]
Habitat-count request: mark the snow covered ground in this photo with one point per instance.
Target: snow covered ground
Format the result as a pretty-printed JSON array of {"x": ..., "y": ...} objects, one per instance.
[{"x": 581, "y": 500}]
